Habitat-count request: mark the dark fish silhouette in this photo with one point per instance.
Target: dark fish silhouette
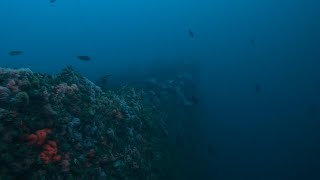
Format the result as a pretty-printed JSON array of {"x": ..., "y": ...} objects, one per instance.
[
  {"x": 52, "y": 1},
  {"x": 253, "y": 43},
  {"x": 84, "y": 58},
  {"x": 257, "y": 87},
  {"x": 15, "y": 53},
  {"x": 195, "y": 99},
  {"x": 103, "y": 81},
  {"x": 190, "y": 33}
]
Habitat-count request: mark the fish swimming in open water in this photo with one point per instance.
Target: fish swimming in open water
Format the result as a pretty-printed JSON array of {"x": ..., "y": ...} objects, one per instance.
[
  {"x": 195, "y": 99},
  {"x": 15, "y": 53},
  {"x": 257, "y": 87},
  {"x": 84, "y": 58},
  {"x": 103, "y": 81},
  {"x": 52, "y": 1},
  {"x": 253, "y": 43},
  {"x": 190, "y": 33}
]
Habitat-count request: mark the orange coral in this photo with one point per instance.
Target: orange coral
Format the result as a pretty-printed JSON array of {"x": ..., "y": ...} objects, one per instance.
[
  {"x": 50, "y": 153},
  {"x": 39, "y": 137}
]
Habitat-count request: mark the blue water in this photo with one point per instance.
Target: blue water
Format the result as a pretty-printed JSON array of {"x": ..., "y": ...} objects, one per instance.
[{"x": 268, "y": 134}]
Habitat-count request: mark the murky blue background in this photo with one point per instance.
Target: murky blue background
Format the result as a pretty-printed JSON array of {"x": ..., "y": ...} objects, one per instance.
[{"x": 271, "y": 134}]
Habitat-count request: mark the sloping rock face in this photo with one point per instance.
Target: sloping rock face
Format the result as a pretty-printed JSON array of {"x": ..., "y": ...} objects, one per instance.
[{"x": 64, "y": 126}]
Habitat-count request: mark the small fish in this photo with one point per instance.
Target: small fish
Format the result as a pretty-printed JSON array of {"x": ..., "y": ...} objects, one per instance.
[
  {"x": 190, "y": 33},
  {"x": 15, "y": 53},
  {"x": 195, "y": 99},
  {"x": 253, "y": 43},
  {"x": 103, "y": 81},
  {"x": 84, "y": 58},
  {"x": 52, "y": 1},
  {"x": 257, "y": 87}
]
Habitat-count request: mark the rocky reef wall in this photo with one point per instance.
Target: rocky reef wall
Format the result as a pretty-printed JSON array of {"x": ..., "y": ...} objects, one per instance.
[{"x": 66, "y": 127}]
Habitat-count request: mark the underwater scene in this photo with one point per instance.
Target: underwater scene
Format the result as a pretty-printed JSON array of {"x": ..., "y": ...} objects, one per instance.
[{"x": 159, "y": 90}]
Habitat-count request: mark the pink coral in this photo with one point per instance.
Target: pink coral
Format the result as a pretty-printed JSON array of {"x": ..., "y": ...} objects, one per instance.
[
  {"x": 91, "y": 153},
  {"x": 12, "y": 85},
  {"x": 64, "y": 88},
  {"x": 65, "y": 163},
  {"x": 4, "y": 93}
]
